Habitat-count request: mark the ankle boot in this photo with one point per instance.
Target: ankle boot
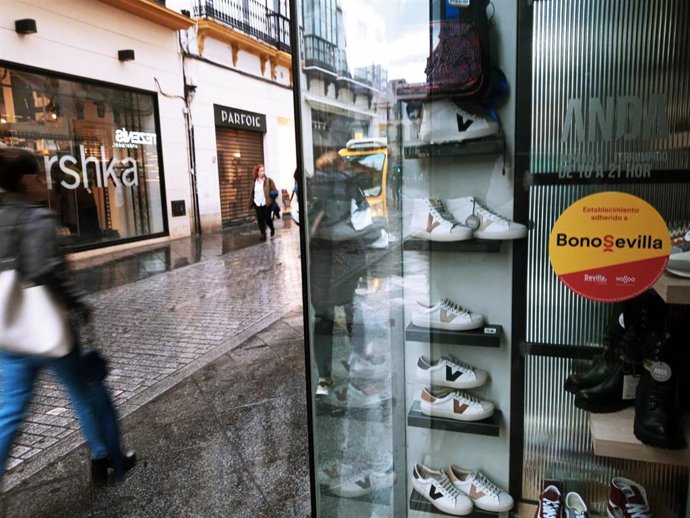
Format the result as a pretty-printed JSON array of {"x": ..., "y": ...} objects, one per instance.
[
  {"x": 102, "y": 471},
  {"x": 607, "y": 396},
  {"x": 602, "y": 366},
  {"x": 657, "y": 408}
]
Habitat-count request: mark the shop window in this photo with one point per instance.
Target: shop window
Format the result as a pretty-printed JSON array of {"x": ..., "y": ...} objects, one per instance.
[{"x": 98, "y": 148}]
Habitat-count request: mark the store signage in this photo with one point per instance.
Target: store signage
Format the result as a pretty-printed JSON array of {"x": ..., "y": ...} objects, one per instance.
[
  {"x": 239, "y": 119},
  {"x": 623, "y": 117},
  {"x": 132, "y": 139},
  {"x": 74, "y": 177},
  {"x": 609, "y": 246},
  {"x": 614, "y": 121}
]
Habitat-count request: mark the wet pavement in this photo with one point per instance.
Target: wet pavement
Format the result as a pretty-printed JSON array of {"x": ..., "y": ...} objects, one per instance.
[{"x": 164, "y": 316}]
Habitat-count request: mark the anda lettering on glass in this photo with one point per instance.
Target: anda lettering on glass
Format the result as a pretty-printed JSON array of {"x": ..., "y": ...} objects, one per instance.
[{"x": 75, "y": 171}]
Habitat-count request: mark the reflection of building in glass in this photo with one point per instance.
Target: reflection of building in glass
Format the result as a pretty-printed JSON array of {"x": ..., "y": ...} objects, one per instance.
[{"x": 341, "y": 100}]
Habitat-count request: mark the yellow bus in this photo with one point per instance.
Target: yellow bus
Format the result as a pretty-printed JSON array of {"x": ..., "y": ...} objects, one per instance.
[{"x": 368, "y": 161}]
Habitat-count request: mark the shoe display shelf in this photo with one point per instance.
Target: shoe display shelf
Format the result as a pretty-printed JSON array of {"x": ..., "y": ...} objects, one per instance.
[
  {"x": 674, "y": 290},
  {"x": 490, "y": 426},
  {"x": 493, "y": 145},
  {"x": 470, "y": 245},
  {"x": 485, "y": 336},
  {"x": 612, "y": 436},
  {"x": 419, "y": 503}
]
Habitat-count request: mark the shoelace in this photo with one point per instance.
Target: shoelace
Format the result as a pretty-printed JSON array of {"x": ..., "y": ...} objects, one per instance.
[
  {"x": 486, "y": 485},
  {"x": 439, "y": 210},
  {"x": 447, "y": 488},
  {"x": 449, "y": 305},
  {"x": 550, "y": 509},
  {"x": 638, "y": 510},
  {"x": 478, "y": 207},
  {"x": 464, "y": 367}
]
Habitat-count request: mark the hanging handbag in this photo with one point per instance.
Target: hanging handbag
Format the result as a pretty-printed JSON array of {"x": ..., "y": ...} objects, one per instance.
[{"x": 32, "y": 321}]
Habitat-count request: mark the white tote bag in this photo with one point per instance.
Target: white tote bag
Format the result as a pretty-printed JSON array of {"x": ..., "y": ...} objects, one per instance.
[{"x": 32, "y": 322}]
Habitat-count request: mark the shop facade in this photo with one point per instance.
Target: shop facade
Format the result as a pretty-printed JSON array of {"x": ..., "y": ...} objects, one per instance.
[
  {"x": 92, "y": 108},
  {"x": 508, "y": 352}
]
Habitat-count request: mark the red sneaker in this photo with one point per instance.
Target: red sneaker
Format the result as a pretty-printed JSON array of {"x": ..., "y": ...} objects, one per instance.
[{"x": 627, "y": 499}]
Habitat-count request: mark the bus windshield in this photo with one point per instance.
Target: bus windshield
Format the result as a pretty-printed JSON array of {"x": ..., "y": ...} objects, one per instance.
[{"x": 368, "y": 172}]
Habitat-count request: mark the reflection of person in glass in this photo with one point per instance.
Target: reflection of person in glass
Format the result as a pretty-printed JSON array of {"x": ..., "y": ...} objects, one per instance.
[
  {"x": 263, "y": 195},
  {"x": 28, "y": 233},
  {"x": 336, "y": 254}
]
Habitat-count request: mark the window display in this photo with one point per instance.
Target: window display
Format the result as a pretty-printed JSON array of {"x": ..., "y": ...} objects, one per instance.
[
  {"x": 99, "y": 150},
  {"x": 456, "y": 360}
]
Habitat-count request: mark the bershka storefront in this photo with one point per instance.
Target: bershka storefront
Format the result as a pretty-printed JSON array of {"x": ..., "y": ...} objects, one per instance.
[
  {"x": 99, "y": 147},
  {"x": 240, "y": 146}
]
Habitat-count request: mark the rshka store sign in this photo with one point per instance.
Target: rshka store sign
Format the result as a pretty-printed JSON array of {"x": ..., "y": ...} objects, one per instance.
[
  {"x": 75, "y": 170},
  {"x": 609, "y": 246}
]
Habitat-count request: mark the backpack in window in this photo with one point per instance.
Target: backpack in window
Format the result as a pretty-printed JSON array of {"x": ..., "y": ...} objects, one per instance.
[{"x": 458, "y": 65}]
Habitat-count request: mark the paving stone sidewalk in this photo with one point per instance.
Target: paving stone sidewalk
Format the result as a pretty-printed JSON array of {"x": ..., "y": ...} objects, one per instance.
[{"x": 161, "y": 329}]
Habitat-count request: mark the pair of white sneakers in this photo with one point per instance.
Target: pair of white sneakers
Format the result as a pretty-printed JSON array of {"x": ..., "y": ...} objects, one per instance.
[
  {"x": 457, "y": 491},
  {"x": 461, "y": 219}
]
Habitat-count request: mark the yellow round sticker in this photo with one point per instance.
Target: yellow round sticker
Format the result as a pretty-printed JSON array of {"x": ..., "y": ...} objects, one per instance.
[{"x": 609, "y": 246}]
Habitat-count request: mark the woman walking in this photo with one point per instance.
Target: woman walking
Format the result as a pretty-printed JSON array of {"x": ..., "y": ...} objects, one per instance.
[
  {"x": 29, "y": 240},
  {"x": 263, "y": 195}
]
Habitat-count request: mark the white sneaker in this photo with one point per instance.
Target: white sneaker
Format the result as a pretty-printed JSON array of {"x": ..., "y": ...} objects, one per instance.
[
  {"x": 457, "y": 405},
  {"x": 484, "y": 494},
  {"x": 486, "y": 224},
  {"x": 345, "y": 481},
  {"x": 444, "y": 121},
  {"x": 361, "y": 367},
  {"x": 437, "y": 489},
  {"x": 324, "y": 386},
  {"x": 446, "y": 315},
  {"x": 679, "y": 264},
  {"x": 575, "y": 507},
  {"x": 353, "y": 397},
  {"x": 431, "y": 220},
  {"x": 449, "y": 372}
]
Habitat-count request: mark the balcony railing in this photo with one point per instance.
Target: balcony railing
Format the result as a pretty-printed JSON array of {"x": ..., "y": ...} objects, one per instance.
[
  {"x": 251, "y": 17},
  {"x": 321, "y": 53}
]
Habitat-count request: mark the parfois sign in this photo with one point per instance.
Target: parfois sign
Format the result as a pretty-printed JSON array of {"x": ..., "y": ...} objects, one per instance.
[{"x": 609, "y": 246}]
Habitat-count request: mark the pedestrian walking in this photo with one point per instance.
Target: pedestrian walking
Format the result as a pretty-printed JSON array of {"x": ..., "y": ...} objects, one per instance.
[
  {"x": 263, "y": 195},
  {"x": 29, "y": 242}
]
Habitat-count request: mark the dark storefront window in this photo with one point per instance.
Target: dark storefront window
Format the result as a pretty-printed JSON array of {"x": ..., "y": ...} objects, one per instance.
[{"x": 98, "y": 147}]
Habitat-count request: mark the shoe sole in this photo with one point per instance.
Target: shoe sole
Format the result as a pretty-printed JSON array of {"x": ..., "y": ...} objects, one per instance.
[
  {"x": 514, "y": 234},
  {"x": 446, "y": 326},
  {"x": 459, "y": 137},
  {"x": 604, "y": 408},
  {"x": 451, "y": 415},
  {"x": 656, "y": 441},
  {"x": 443, "y": 238}
]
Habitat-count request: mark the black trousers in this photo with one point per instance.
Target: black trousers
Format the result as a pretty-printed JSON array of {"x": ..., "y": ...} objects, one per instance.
[{"x": 263, "y": 218}]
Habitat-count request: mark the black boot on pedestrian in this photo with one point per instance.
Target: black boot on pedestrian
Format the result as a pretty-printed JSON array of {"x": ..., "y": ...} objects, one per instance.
[
  {"x": 263, "y": 237},
  {"x": 273, "y": 232},
  {"x": 102, "y": 469},
  {"x": 657, "y": 406}
]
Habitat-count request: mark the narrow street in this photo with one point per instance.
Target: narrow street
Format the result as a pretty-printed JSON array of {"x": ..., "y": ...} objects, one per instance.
[{"x": 207, "y": 369}]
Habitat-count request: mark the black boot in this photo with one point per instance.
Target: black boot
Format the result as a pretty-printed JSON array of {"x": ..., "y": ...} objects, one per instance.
[
  {"x": 657, "y": 408},
  {"x": 607, "y": 396},
  {"x": 102, "y": 469},
  {"x": 602, "y": 367}
]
